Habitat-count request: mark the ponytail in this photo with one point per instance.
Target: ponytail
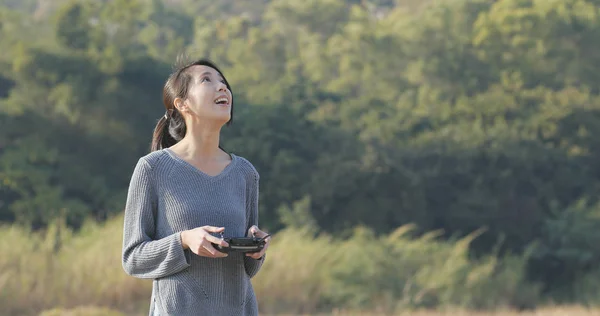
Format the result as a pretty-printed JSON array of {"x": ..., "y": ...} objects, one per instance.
[
  {"x": 161, "y": 138},
  {"x": 169, "y": 130}
]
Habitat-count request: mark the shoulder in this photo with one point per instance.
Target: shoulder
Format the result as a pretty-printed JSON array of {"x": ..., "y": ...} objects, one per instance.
[
  {"x": 247, "y": 168},
  {"x": 154, "y": 159},
  {"x": 153, "y": 162}
]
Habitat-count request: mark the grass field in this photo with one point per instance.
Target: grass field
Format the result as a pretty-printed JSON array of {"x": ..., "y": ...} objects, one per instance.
[
  {"x": 554, "y": 311},
  {"x": 60, "y": 273}
]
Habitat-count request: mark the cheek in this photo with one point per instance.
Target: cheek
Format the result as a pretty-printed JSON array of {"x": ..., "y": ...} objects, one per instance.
[{"x": 199, "y": 97}]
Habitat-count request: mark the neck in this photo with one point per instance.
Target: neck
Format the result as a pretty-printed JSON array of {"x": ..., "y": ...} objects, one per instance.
[{"x": 201, "y": 141}]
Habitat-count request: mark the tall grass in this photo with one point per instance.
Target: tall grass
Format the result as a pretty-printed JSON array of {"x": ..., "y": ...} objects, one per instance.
[
  {"x": 305, "y": 273},
  {"x": 42, "y": 271},
  {"x": 386, "y": 274}
]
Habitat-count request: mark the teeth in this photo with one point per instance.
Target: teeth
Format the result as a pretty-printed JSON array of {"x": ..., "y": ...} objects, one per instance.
[{"x": 221, "y": 100}]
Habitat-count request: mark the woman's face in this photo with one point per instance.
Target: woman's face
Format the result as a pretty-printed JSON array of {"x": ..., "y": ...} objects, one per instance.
[{"x": 208, "y": 97}]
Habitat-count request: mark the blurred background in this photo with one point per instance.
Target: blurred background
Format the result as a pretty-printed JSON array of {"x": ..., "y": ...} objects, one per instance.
[{"x": 414, "y": 154}]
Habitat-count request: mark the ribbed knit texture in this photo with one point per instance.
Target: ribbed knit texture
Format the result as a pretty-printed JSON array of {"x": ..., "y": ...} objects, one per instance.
[{"x": 166, "y": 196}]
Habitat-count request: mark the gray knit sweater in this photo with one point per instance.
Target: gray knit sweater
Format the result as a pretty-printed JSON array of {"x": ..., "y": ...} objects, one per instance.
[{"x": 168, "y": 195}]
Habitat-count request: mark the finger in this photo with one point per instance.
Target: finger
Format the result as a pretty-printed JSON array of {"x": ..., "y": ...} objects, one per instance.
[
  {"x": 210, "y": 250},
  {"x": 266, "y": 246},
  {"x": 213, "y": 229},
  {"x": 216, "y": 240},
  {"x": 219, "y": 254},
  {"x": 257, "y": 255},
  {"x": 252, "y": 255},
  {"x": 214, "y": 253},
  {"x": 252, "y": 230},
  {"x": 259, "y": 233}
]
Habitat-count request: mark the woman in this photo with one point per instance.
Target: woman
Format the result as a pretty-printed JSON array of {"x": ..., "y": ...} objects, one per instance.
[{"x": 186, "y": 193}]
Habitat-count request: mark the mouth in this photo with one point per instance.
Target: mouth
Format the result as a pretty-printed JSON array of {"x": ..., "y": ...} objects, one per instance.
[{"x": 222, "y": 101}]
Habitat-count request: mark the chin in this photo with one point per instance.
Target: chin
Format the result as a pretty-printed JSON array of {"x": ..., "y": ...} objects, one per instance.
[{"x": 223, "y": 119}]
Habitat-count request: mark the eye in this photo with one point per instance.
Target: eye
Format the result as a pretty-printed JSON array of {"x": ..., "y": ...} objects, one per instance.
[{"x": 203, "y": 79}]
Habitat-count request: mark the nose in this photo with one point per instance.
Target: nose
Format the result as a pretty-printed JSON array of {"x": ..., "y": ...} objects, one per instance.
[{"x": 221, "y": 87}]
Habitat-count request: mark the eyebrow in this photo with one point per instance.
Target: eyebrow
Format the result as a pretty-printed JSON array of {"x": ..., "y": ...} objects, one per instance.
[{"x": 210, "y": 73}]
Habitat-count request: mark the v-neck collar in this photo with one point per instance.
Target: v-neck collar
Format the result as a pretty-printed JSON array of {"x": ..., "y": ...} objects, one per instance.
[{"x": 223, "y": 172}]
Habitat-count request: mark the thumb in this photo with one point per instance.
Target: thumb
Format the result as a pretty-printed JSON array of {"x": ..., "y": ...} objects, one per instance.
[{"x": 252, "y": 230}]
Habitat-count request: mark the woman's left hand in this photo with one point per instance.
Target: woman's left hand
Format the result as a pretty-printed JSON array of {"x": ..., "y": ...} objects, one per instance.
[{"x": 255, "y": 232}]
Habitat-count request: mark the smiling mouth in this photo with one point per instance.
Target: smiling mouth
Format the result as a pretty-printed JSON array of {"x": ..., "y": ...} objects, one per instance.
[{"x": 222, "y": 101}]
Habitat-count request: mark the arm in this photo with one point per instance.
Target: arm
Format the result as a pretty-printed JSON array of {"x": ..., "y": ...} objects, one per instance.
[
  {"x": 142, "y": 256},
  {"x": 253, "y": 265}
]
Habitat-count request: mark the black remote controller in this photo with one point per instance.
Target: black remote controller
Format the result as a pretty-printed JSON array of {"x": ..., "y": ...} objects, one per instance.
[{"x": 242, "y": 244}]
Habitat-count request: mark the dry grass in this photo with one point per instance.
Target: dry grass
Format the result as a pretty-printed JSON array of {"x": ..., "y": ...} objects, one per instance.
[
  {"x": 548, "y": 311},
  {"x": 58, "y": 273},
  {"x": 34, "y": 276},
  {"x": 554, "y": 311}
]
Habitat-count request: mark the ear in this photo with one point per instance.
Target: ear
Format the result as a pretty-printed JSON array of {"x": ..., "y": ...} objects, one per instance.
[{"x": 180, "y": 104}]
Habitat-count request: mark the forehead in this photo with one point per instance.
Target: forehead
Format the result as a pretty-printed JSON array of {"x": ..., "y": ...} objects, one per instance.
[{"x": 199, "y": 70}]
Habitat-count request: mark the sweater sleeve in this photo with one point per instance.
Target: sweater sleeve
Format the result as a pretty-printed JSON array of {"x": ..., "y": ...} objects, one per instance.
[
  {"x": 253, "y": 265},
  {"x": 142, "y": 255}
]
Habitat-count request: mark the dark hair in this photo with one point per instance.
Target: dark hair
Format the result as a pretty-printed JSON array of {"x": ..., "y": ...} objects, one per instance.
[{"x": 171, "y": 128}]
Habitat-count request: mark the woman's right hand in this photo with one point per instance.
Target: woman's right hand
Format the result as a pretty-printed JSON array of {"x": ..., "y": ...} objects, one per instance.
[{"x": 199, "y": 241}]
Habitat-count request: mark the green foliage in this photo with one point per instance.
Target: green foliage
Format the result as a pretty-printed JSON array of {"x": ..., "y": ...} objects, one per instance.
[
  {"x": 73, "y": 29},
  {"x": 568, "y": 248}
]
